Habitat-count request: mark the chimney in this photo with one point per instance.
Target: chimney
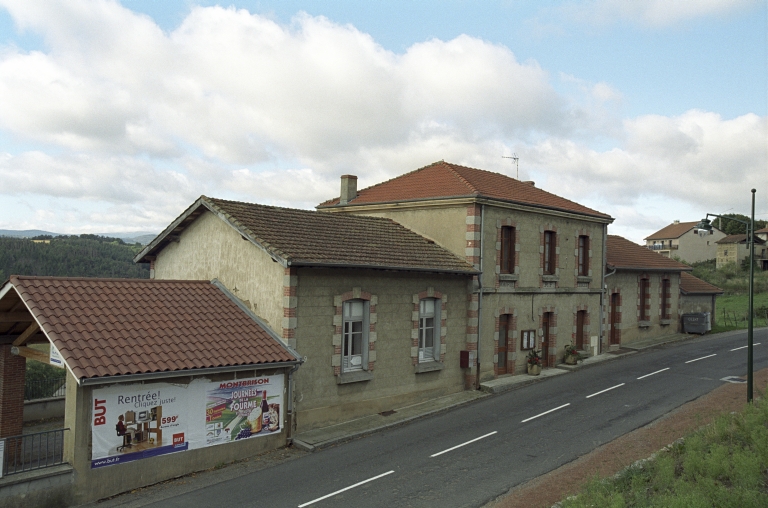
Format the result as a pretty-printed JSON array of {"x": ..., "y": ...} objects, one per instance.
[
  {"x": 677, "y": 221},
  {"x": 531, "y": 183},
  {"x": 348, "y": 189}
]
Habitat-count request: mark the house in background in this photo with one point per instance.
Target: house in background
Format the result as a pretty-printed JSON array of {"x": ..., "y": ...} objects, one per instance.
[
  {"x": 378, "y": 312},
  {"x": 697, "y": 295},
  {"x": 643, "y": 293},
  {"x": 540, "y": 257},
  {"x": 681, "y": 240},
  {"x": 735, "y": 248}
]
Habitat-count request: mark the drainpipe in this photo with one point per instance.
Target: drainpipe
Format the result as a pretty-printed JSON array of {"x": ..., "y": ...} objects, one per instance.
[
  {"x": 291, "y": 414},
  {"x": 480, "y": 297},
  {"x": 603, "y": 288}
]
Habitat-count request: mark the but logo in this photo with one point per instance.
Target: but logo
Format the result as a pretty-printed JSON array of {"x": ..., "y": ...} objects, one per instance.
[
  {"x": 178, "y": 439},
  {"x": 99, "y": 412}
]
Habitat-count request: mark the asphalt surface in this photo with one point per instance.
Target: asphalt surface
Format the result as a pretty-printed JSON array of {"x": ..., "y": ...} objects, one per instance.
[{"x": 474, "y": 453}]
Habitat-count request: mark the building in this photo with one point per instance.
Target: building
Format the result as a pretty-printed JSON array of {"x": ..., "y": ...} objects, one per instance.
[
  {"x": 735, "y": 248},
  {"x": 681, "y": 240},
  {"x": 377, "y": 312},
  {"x": 540, "y": 257},
  {"x": 643, "y": 293},
  {"x": 179, "y": 371},
  {"x": 697, "y": 296}
]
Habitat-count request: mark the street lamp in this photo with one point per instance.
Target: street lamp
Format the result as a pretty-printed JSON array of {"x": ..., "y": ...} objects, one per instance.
[{"x": 706, "y": 225}]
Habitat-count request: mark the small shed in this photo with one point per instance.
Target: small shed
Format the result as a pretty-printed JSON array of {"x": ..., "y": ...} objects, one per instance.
[
  {"x": 164, "y": 378},
  {"x": 698, "y": 296}
]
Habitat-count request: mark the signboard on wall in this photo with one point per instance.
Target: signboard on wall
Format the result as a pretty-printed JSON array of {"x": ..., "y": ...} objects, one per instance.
[
  {"x": 138, "y": 421},
  {"x": 54, "y": 357}
]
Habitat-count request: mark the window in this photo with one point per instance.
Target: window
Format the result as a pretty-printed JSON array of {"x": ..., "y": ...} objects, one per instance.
[
  {"x": 666, "y": 293},
  {"x": 354, "y": 350},
  {"x": 584, "y": 256},
  {"x": 528, "y": 339},
  {"x": 644, "y": 297},
  {"x": 549, "y": 252},
  {"x": 507, "y": 249},
  {"x": 429, "y": 330}
]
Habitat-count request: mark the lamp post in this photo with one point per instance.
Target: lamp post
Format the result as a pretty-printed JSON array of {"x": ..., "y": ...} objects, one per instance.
[{"x": 705, "y": 225}]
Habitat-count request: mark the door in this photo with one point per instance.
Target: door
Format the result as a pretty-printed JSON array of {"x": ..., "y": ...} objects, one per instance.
[
  {"x": 615, "y": 338},
  {"x": 501, "y": 364},
  {"x": 580, "y": 318},
  {"x": 545, "y": 324}
]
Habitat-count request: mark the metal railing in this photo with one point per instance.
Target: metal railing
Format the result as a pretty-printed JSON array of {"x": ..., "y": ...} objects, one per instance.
[
  {"x": 45, "y": 388},
  {"x": 33, "y": 451}
]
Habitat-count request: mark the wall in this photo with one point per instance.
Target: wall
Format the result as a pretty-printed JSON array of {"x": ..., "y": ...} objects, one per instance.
[
  {"x": 628, "y": 285},
  {"x": 320, "y": 400},
  {"x": 692, "y": 248},
  {"x": 731, "y": 253},
  {"x": 209, "y": 248},
  {"x": 41, "y": 409},
  {"x": 93, "y": 484}
]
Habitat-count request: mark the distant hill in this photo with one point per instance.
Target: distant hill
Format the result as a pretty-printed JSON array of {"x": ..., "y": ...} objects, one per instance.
[
  {"x": 142, "y": 237},
  {"x": 70, "y": 256}
]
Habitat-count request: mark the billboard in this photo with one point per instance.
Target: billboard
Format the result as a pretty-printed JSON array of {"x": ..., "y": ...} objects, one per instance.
[{"x": 138, "y": 421}]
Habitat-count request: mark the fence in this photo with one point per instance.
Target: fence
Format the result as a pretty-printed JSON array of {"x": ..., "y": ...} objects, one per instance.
[
  {"x": 32, "y": 451},
  {"x": 45, "y": 387},
  {"x": 734, "y": 319}
]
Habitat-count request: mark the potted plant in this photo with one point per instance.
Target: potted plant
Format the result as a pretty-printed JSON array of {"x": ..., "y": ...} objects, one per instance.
[
  {"x": 572, "y": 355},
  {"x": 534, "y": 362}
]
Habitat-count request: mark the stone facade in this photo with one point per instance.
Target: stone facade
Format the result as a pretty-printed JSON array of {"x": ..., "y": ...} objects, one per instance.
[
  {"x": 636, "y": 319},
  {"x": 526, "y": 292}
]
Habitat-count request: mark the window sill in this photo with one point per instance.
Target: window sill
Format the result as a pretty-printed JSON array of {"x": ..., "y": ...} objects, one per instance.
[
  {"x": 550, "y": 278},
  {"x": 422, "y": 367},
  {"x": 665, "y": 322},
  {"x": 512, "y": 277},
  {"x": 354, "y": 377},
  {"x": 644, "y": 324},
  {"x": 583, "y": 278}
]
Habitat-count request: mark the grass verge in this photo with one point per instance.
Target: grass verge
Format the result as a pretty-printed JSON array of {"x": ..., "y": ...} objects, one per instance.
[{"x": 723, "y": 464}]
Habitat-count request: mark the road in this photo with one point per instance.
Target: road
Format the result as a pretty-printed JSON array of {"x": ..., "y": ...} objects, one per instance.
[{"x": 472, "y": 454}]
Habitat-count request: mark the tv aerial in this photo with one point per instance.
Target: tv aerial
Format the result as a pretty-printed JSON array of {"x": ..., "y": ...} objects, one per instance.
[{"x": 517, "y": 167}]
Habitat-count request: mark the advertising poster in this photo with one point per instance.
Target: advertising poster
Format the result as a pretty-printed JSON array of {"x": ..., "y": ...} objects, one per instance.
[
  {"x": 138, "y": 421},
  {"x": 243, "y": 408}
]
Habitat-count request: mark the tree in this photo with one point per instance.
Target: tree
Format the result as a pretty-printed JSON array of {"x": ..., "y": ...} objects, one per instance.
[{"x": 732, "y": 227}]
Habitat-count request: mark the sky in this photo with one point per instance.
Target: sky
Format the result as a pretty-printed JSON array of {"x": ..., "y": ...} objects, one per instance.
[{"x": 116, "y": 116}]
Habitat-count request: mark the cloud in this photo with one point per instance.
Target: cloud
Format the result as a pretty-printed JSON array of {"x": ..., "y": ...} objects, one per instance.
[
  {"x": 654, "y": 13},
  {"x": 127, "y": 122}
]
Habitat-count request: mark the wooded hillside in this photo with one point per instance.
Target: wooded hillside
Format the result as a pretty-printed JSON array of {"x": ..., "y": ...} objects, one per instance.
[{"x": 70, "y": 256}]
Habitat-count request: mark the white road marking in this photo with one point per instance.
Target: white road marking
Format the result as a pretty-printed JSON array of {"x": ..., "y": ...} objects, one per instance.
[
  {"x": 545, "y": 412},
  {"x": 652, "y": 373},
  {"x": 345, "y": 489},
  {"x": 606, "y": 390},
  {"x": 463, "y": 444},
  {"x": 745, "y": 347},
  {"x": 697, "y": 359}
]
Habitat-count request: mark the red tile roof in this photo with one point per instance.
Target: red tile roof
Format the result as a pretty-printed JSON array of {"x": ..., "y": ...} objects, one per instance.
[
  {"x": 693, "y": 285},
  {"x": 739, "y": 239},
  {"x": 311, "y": 238},
  {"x": 672, "y": 231},
  {"x": 116, "y": 327},
  {"x": 446, "y": 180},
  {"x": 625, "y": 255}
]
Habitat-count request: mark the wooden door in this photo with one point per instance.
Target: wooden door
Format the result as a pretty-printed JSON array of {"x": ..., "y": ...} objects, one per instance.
[
  {"x": 615, "y": 339},
  {"x": 545, "y": 322},
  {"x": 580, "y": 318},
  {"x": 501, "y": 364}
]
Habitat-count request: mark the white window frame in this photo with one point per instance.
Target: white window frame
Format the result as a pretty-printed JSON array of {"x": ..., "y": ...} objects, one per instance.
[
  {"x": 350, "y": 361},
  {"x": 429, "y": 322}
]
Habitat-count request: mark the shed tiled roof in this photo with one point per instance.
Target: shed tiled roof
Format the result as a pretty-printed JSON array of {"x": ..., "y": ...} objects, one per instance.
[
  {"x": 739, "y": 239},
  {"x": 445, "y": 180},
  {"x": 764, "y": 230},
  {"x": 625, "y": 255},
  {"x": 672, "y": 231},
  {"x": 311, "y": 238},
  {"x": 693, "y": 285},
  {"x": 115, "y": 327}
]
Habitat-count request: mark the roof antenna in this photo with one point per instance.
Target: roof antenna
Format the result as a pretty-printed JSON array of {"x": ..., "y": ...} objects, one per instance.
[{"x": 517, "y": 167}]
